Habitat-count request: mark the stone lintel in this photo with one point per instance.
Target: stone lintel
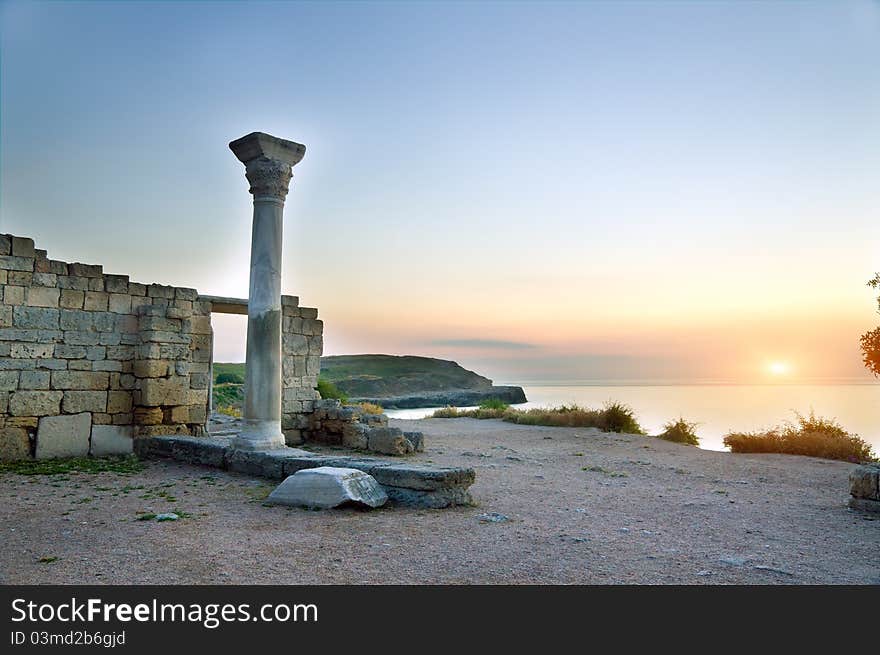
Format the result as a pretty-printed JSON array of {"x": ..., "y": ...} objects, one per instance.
[{"x": 222, "y": 305}]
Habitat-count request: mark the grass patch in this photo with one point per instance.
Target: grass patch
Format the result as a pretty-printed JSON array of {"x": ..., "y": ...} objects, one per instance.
[
  {"x": 494, "y": 403},
  {"x": 145, "y": 517},
  {"x": 229, "y": 410},
  {"x": 369, "y": 408},
  {"x": 613, "y": 417},
  {"x": 680, "y": 431},
  {"x": 125, "y": 465},
  {"x": 328, "y": 390},
  {"x": 810, "y": 435},
  {"x": 48, "y": 559}
]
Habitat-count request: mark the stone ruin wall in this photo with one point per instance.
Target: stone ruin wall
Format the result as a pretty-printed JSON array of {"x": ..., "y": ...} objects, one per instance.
[
  {"x": 90, "y": 361},
  {"x": 302, "y": 343}
]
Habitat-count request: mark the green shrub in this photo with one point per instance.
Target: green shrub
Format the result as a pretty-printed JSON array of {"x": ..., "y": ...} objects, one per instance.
[
  {"x": 494, "y": 403},
  {"x": 228, "y": 378},
  {"x": 812, "y": 436},
  {"x": 329, "y": 391},
  {"x": 680, "y": 431}
]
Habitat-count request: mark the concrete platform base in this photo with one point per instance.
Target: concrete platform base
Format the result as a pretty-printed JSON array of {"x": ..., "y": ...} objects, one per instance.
[{"x": 406, "y": 484}]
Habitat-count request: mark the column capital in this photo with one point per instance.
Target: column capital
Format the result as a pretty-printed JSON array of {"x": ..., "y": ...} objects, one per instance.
[{"x": 268, "y": 162}]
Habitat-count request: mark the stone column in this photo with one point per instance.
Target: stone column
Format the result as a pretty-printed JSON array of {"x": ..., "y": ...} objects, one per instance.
[{"x": 268, "y": 161}]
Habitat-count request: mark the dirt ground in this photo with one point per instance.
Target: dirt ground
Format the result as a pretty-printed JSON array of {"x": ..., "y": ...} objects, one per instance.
[{"x": 580, "y": 507}]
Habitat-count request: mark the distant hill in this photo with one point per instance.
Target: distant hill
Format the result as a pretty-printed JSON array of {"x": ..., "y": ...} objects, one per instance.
[
  {"x": 411, "y": 381},
  {"x": 391, "y": 381}
]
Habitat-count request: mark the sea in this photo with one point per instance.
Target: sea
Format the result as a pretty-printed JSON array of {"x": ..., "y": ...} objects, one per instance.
[{"x": 717, "y": 408}]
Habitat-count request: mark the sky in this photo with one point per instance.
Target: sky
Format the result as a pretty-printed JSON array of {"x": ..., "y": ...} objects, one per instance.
[{"x": 539, "y": 191}]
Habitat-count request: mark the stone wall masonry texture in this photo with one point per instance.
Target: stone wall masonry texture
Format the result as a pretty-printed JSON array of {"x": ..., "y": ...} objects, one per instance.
[
  {"x": 119, "y": 360},
  {"x": 89, "y": 360},
  {"x": 301, "y": 349}
]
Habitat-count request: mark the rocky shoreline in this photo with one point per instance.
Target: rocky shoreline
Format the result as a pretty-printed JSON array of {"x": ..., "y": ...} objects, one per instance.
[{"x": 449, "y": 397}]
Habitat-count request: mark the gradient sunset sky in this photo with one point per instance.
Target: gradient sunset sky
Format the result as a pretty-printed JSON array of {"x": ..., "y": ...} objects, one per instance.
[{"x": 539, "y": 191}]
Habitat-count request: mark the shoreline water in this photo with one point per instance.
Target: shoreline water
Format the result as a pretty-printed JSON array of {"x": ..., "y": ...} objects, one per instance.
[{"x": 718, "y": 408}]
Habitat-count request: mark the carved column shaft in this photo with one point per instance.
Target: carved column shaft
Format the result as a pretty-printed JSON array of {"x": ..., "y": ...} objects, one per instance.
[{"x": 268, "y": 161}]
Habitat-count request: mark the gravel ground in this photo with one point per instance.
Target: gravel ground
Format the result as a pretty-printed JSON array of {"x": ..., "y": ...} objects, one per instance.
[{"x": 580, "y": 507}]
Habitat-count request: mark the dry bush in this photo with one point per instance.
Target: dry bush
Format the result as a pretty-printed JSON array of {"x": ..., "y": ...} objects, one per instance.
[{"x": 810, "y": 435}]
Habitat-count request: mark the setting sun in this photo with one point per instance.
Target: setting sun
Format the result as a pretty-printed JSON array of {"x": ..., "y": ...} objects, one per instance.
[{"x": 779, "y": 368}]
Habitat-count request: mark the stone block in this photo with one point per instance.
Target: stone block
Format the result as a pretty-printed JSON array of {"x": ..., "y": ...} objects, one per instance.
[
  {"x": 96, "y": 301},
  {"x": 308, "y": 313},
  {"x": 163, "y": 391},
  {"x": 182, "y": 293},
  {"x": 198, "y": 413},
  {"x": 8, "y": 380},
  {"x": 160, "y": 291},
  {"x": 10, "y": 263},
  {"x": 81, "y": 338},
  {"x": 79, "y": 365},
  {"x": 161, "y": 430},
  {"x": 63, "y": 436},
  {"x": 151, "y": 368},
  {"x": 71, "y": 299},
  {"x": 199, "y": 325},
  {"x": 5, "y": 244},
  {"x": 111, "y": 440},
  {"x": 85, "y": 270},
  {"x": 326, "y": 487},
  {"x": 23, "y": 247},
  {"x": 32, "y": 350},
  {"x": 116, "y": 283},
  {"x": 295, "y": 344},
  {"x": 119, "y": 303},
  {"x": 41, "y": 262},
  {"x": 66, "y": 351},
  {"x": 179, "y": 414},
  {"x": 14, "y": 444},
  {"x": 136, "y": 289},
  {"x": 73, "y": 282},
  {"x": 87, "y": 321},
  {"x": 147, "y": 415},
  {"x": 35, "y": 403},
  {"x": 48, "y": 280},
  {"x": 175, "y": 313},
  {"x": 58, "y": 268},
  {"x": 388, "y": 441},
  {"x": 51, "y": 364},
  {"x": 20, "y": 278},
  {"x": 13, "y": 295},
  {"x": 75, "y": 402},
  {"x": 80, "y": 380},
  {"x": 34, "y": 380},
  {"x": 5, "y": 316},
  {"x": 417, "y": 439},
  {"x": 865, "y": 481},
  {"x": 354, "y": 435},
  {"x": 94, "y": 353},
  {"x": 35, "y": 318},
  {"x": 118, "y": 402}
]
